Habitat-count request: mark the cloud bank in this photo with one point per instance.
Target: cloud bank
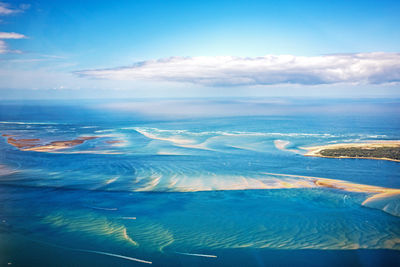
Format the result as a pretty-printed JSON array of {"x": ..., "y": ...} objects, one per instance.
[{"x": 362, "y": 68}]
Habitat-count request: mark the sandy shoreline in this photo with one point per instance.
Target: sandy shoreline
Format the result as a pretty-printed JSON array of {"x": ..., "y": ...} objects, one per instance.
[{"x": 370, "y": 145}]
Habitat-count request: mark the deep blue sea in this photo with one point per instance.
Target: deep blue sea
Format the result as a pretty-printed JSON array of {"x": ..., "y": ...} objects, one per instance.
[{"x": 196, "y": 182}]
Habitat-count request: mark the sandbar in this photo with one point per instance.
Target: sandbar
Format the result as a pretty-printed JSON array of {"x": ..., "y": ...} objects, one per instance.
[
  {"x": 115, "y": 141},
  {"x": 35, "y": 144}
]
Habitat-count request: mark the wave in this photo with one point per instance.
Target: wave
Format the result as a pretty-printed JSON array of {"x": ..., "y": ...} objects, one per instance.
[
  {"x": 152, "y": 235},
  {"x": 182, "y": 132},
  {"x": 5, "y": 170},
  {"x": 206, "y": 224},
  {"x": 128, "y": 218},
  {"x": 388, "y": 202},
  {"x": 110, "y": 254},
  {"x": 102, "y": 208},
  {"x": 196, "y": 254},
  {"x": 385, "y": 199},
  {"x": 89, "y": 127},
  {"x": 73, "y": 222},
  {"x": 153, "y": 130},
  {"x": 112, "y": 180},
  {"x": 113, "y": 255},
  {"x": 175, "y": 139},
  {"x": 93, "y": 251},
  {"x": 104, "y": 131},
  {"x": 31, "y": 123},
  {"x": 203, "y": 229},
  {"x": 96, "y": 152},
  {"x": 200, "y": 222},
  {"x": 182, "y": 183},
  {"x": 224, "y": 141},
  {"x": 282, "y": 145},
  {"x": 171, "y": 179}
]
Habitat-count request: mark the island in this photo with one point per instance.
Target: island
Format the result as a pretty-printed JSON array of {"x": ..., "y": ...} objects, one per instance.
[
  {"x": 380, "y": 150},
  {"x": 35, "y": 144}
]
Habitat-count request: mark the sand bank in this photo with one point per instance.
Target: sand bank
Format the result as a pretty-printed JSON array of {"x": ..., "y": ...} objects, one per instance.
[
  {"x": 115, "y": 141},
  {"x": 35, "y": 144}
]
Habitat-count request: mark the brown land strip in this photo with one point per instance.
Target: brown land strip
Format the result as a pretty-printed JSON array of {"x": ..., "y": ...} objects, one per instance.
[
  {"x": 35, "y": 145},
  {"x": 114, "y": 141}
]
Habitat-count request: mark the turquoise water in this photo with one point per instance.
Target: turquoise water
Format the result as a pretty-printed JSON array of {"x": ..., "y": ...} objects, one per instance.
[{"x": 198, "y": 189}]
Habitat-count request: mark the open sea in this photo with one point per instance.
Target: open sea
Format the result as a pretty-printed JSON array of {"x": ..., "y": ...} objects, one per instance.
[{"x": 196, "y": 182}]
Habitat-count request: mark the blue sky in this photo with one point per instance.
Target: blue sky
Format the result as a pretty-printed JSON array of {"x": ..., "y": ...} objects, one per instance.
[{"x": 124, "y": 48}]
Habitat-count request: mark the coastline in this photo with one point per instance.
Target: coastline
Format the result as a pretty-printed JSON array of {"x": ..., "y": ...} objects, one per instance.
[{"x": 315, "y": 151}]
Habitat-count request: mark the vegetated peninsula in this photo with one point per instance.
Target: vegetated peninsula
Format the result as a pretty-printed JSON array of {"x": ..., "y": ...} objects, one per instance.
[{"x": 382, "y": 150}]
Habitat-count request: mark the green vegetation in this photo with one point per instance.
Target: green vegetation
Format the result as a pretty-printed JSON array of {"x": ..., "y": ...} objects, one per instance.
[{"x": 356, "y": 152}]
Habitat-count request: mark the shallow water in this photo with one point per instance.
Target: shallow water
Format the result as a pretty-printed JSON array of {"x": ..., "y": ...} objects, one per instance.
[{"x": 203, "y": 190}]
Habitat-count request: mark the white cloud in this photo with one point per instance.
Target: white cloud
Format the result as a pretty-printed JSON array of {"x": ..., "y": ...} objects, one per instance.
[
  {"x": 362, "y": 68},
  {"x": 11, "y": 35},
  {"x": 5, "y": 9}
]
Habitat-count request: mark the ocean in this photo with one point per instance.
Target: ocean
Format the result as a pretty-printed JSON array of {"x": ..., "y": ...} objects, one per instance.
[{"x": 195, "y": 182}]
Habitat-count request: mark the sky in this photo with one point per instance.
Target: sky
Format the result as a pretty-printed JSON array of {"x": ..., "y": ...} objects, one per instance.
[{"x": 144, "y": 48}]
